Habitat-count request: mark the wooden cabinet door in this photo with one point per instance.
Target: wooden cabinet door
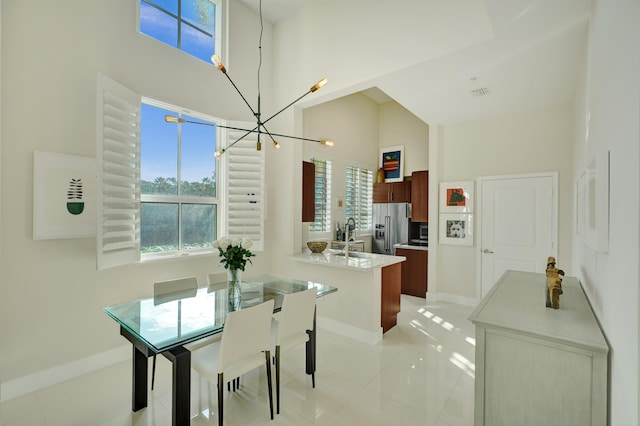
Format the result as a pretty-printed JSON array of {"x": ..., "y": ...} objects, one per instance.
[
  {"x": 394, "y": 192},
  {"x": 380, "y": 192},
  {"x": 308, "y": 191},
  {"x": 391, "y": 277},
  {"x": 400, "y": 192},
  {"x": 420, "y": 196},
  {"x": 414, "y": 272}
]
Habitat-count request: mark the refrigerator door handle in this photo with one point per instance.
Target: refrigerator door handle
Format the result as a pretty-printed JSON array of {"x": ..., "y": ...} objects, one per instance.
[{"x": 387, "y": 234}]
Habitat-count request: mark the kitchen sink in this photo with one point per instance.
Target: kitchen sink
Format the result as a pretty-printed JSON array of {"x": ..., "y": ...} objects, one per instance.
[{"x": 356, "y": 254}]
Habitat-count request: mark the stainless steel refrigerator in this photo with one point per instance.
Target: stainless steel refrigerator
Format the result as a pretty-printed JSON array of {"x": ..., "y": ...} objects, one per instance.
[{"x": 390, "y": 226}]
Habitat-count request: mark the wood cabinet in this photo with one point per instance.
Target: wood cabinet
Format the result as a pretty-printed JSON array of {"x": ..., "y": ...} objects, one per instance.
[
  {"x": 534, "y": 362},
  {"x": 391, "y": 282},
  {"x": 420, "y": 196},
  {"x": 414, "y": 271},
  {"x": 394, "y": 192},
  {"x": 308, "y": 191}
]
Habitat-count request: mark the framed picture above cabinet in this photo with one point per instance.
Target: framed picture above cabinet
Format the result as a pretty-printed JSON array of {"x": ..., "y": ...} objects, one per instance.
[{"x": 392, "y": 163}]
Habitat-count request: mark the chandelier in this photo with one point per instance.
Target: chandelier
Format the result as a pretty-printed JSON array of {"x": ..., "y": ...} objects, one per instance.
[{"x": 260, "y": 127}]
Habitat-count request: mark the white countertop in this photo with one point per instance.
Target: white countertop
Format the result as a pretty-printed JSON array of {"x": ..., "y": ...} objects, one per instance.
[
  {"x": 356, "y": 260},
  {"x": 411, "y": 247}
]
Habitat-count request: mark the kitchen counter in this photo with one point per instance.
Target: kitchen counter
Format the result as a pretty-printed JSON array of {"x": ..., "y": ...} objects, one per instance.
[
  {"x": 411, "y": 247},
  {"x": 368, "y": 288},
  {"x": 358, "y": 261}
]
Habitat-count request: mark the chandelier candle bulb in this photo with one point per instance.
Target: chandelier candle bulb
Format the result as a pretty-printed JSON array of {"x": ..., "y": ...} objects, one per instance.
[
  {"x": 218, "y": 63},
  {"x": 318, "y": 85}
]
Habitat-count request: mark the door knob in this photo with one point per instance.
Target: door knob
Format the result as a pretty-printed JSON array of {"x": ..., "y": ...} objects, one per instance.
[{"x": 487, "y": 251}]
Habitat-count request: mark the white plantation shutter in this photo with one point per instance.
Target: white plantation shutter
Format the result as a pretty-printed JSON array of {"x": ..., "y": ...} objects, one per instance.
[
  {"x": 244, "y": 195},
  {"x": 118, "y": 174},
  {"x": 359, "y": 196},
  {"x": 322, "y": 188}
]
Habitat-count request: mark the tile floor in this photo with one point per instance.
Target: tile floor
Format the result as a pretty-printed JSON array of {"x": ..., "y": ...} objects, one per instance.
[{"x": 422, "y": 373}]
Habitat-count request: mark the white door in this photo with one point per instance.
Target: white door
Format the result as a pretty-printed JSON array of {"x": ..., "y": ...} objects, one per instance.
[{"x": 519, "y": 219}]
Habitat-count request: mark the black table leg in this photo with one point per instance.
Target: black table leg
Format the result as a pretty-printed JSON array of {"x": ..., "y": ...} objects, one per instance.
[
  {"x": 311, "y": 352},
  {"x": 181, "y": 394},
  {"x": 140, "y": 371},
  {"x": 139, "y": 382}
]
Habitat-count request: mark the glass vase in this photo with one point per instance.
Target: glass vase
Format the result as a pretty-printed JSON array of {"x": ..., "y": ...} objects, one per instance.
[{"x": 234, "y": 279}]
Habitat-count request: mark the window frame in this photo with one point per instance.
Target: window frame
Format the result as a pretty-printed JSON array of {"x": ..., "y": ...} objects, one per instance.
[
  {"x": 180, "y": 200},
  {"x": 369, "y": 197},
  {"x": 218, "y": 26}
]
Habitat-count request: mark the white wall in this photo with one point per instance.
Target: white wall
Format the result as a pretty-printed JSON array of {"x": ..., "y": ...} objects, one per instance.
[
  {"x": 51, "y": 296},
  {"x": 609, "y": 107},
  {"x": 529, "y": 142},
  {"x": 398, "y": 126}
]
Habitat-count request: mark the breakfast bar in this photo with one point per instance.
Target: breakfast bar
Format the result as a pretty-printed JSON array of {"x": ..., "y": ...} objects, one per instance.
[{"x": 368, "y": 300}]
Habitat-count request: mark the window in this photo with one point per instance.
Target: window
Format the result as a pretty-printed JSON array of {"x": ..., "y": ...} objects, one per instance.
[
  {"x": 161, "y": 190},
  {"x": 323, "y": 196},
  {"x": 192, "y": 26},
  {"x": 178, "y": 181},
  {"x": 359, "y": 197}
]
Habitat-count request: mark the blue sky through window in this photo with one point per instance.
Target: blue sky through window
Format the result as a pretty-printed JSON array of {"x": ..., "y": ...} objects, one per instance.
[
  {"x": 165, "y": 27},
  {"x": 159, "y": 147}
]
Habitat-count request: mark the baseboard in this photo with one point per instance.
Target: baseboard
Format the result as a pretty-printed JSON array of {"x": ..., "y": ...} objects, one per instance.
[
  {"x": 51, "y": 376},
  {"x": 349, "y": 331},
  {"x": 451, "y": 298}
]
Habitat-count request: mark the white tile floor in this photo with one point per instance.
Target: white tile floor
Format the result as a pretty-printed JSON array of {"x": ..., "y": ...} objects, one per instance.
[{"x": 422, "y": 373}]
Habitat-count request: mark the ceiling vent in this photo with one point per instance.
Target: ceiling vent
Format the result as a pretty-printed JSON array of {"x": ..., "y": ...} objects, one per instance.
[{"x": 480, "y": 92}]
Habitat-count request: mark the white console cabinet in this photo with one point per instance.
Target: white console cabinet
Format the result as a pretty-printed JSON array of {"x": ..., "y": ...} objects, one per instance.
[{"x": 537, "y": 365}]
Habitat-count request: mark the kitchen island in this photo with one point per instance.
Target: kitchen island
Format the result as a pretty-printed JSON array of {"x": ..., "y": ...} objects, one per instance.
[{"x": 368, "y": 297}]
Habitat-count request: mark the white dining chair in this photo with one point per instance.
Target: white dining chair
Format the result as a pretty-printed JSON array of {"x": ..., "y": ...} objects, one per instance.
[
  {"x": 167, "y": 291},
  {"x": 244, "y": 346},
  {"x": 291, "y": 328}
]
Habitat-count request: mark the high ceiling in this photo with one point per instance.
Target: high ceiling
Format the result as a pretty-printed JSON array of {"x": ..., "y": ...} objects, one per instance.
[{"x": 534, "y": 59}]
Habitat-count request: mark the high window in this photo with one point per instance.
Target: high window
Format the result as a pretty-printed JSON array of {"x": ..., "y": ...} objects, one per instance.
[
  {"x": 359, "y": 197},
  {"x": 322, "y": 221},
  {"x": 178, "y": 181},
  {"x": 192, "y": 26}
]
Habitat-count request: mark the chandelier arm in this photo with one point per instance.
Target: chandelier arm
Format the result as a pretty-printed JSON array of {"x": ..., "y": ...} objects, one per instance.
[
  {"x": 254, "y": 130},
  {"x": 240, "y": 93},
  {"x": 277, "y": 113}
]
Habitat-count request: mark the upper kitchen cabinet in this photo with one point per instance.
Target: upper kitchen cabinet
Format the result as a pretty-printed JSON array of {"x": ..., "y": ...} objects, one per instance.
[
  {"x": 420, "y": 196},
  {"x": 394, "y": 192},
  {"x": 308, "y": 191}
]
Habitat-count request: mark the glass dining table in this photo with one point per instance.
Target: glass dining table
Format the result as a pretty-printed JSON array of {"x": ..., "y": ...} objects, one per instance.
[{"x": 164, "y": 324}]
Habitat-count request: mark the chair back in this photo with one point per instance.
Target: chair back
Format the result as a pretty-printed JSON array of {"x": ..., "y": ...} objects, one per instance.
[
  {"x": 247, "y": 332},
  {"x": 167, "y": 291},
  {"x": 217, "y": 278},
  {"x": 296, "y": 315}
]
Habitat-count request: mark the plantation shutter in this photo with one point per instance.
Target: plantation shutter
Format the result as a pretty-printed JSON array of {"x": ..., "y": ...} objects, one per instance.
[
  {"x": 245, "y": 174},
  {"x": 118, "y": 174},
  {"x": 322, "y": 221},
  {"x": 359, "y": 196}
]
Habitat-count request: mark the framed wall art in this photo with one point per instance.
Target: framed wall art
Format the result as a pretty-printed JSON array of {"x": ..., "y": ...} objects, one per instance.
[
  {"x": 456, "y": 229},
  {"x": 456, "y": 197},
  {"x": 64, "y": 196},
  {"x": 392, "y": 163}
]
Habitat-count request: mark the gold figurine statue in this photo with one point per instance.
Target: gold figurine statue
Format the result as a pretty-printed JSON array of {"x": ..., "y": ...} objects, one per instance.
[{"x": 554, "y": 283}]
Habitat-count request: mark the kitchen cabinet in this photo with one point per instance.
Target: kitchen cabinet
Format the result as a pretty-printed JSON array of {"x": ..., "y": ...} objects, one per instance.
[
  {"x": 394, "y": 192},
  {"x": 391, "y": 282},
  {"x": 414, "y": 271},
  {"x": 535, "y": 364},
  {"x": 420, "y": 196},
  {"x": 308, "y": 191}
]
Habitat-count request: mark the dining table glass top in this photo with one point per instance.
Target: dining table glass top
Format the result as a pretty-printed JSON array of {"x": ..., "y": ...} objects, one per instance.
[{"x": 175, "y": 319}]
